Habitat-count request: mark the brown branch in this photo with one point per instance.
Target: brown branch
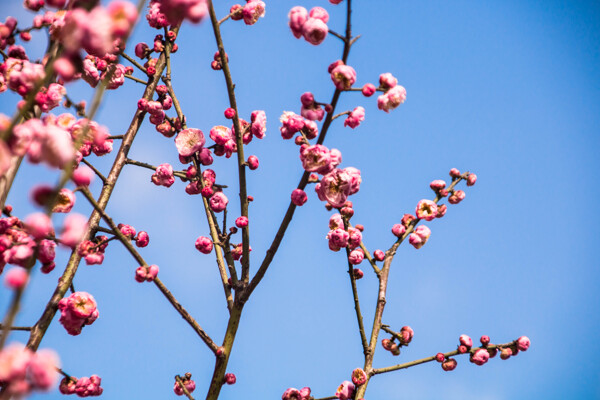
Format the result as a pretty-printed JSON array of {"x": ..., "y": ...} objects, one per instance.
[
  {"x": 240, "y": 144},
  {"x": 134, "y": 62},
  {"x": 397, "y": 367},
  {"x": 98, "y": 173},
  {"x": 138, "y": 80}
]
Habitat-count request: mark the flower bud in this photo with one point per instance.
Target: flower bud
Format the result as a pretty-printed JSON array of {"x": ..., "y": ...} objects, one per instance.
[{"x": 449, "y": 364}]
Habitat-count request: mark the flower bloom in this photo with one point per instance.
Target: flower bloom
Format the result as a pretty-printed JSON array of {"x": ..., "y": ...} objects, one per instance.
[
  {"x": 316, "y": 158},
  {"x": 466, "y": 340},
  {"x": 419, "y": 237},
  {"x": 355, "y": 117},
  {"x": 252, "y": 11},
  {"x": 189, "y": 141},
  {"x": 75, "y": 226},
  {"x": 16, "y": 278},
  {"x": 297, "y": 17},
  {"x": 77, "y": 310},
  {"x": 23, "y": 371},
  {"x": 392, "y": 98},
  {"x": 345, "y": 391},
  {"x": 258, "y": 120},
  {"x": 343, "y": 77},
  {"x": 163, "y": 175},
  {"x": 359, "y": 377},
  {"x": 334, "y": 187},
  {"x": 218, "y": 202},
  {"x": 387, "y": 81},
  {"x": 426, "y": 209}
]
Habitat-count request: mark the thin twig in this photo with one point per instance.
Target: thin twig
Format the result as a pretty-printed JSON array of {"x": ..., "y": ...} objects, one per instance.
[
  {"x": 134, "y": 253},
  {"x": 134, "y": 62},
  {"x": 138, "y": 80},
  {"x": 98, "y": 173}
]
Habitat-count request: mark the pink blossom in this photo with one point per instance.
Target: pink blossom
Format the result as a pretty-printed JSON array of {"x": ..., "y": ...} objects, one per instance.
[
  {"x": 146, "y": 273},
  {"x": 454, "y": 173},
  {"x": 117, "y": 76},
  {"x": 359, "y": 377},
  {"x": 392, "y": 98},
  {"x": 355, "y": 117},
  {"x": 480, "y": 357},
  {"x": 124, "y": 15},
  {"x": 335, "y": 187},
  {"x": 252, "y": 162},
  {"x": 189, "y": 141},
  {"x": 471, "y": 179},
  {"x": 46, "y": 251},
  {"x": 91, "y": 31},
  {"x": 437, "y": 185},
  {"x": 75, "y": 226},
  {"x": 83, "y": 176},
  {"x": 221, "y": 134},
  {"x": 156, "y": 19},
  {"x": 292, "y": 123},
  {"x": 316, "y": 158},
  {"x": 356, "y": 256},
  {"x": 465, "y": 340},
  {"x": 252, "y": 11},
  {"x": 297, "y": 17},
  {"x": 176, "y": 11},
  {"x": 163, "y": 175},
  {"x": 406, "y": 335},
  {"x": 142, "y": 239},
  {"x": 355, "y": 237},
  {"x": 77, "y": 310},
  {"x": 343, "y": 77},
  {"x": 398, "y": 230},
  {"x": 64, "y": 202},
  {"x": 387, "y": 81},
  {"x": 42, "y": 369},
  {"x": 378, "y": 255},
  {"x": 336, "y": 221},
  {"x": 354, "y": 173},
  {"x": 419, "y": 237},
  {"x": 314, "y": 31},
  {"x": 241, "y": 222},
  {"x": 204, "y": 245},
  {"x": 319, "y": 13},
  {"x": 449, "y": 364},
  {"x": 313, "y": 112},
  {"x": 523, "y": 343},
  {"x": 259, "y": 124},
  {"x": 368, "y": 90},
  {"x": 426, "y": 209},
  {"x": 345, "y": 391},
  {"x": 338, "y": 238},
  {"x": 218, "y": 202},
  {"x": 456, "y": 197},
  {"x": 39, "y": 225},
  {"x": 16, "y": 278},
  {"x": 299, "y": 197}
]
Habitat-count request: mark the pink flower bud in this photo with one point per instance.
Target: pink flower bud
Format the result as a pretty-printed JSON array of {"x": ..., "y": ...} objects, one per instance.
[
  {"x": 307, "y": 99},
  {"x": 83, "y": 176},
  {"x": 355, "y": 117},
  {"x": 485, "y": 340},
  {"x": 392, "y": 98},
  {"x": 471, "y": 179},
  {"x": 358, "y": 274},
  {"x": 142, "y": 239},
  {"x": 127, "y": 230},
  {"x": 406, "y": 335},
  {"x": 368, "y": 90},
  {"x": 356, "y": 256},
  {"x": 441, "y": 211},
  {"x": 241, "y": 222},
  {"x": 523, "y": 343},
  {"x": 378, "y": 255},
  {"x": 398, "y": 230},
  {"x": 437, "y": 185},
  {"x": 387, "y": 81},
  {"x": 141, "y": 49},
  {"x": 299, "y": 197},
  {"x": 218, "y": 202},
  {"x": 314, "y": 31},
  {"x": 449, "y": 364},
  {"x": 252, "y": 162},
  {"x": 386, "y": 344},
  {"x": 455, "y": 173},
  {"x": 505, "y": 353},
  {"x": 229, "y": 113},
  {"x": 16, "y": 278},
  {"x": 75, "y": 226},
  {"x": 252, "y": 11},
  {"x": 320, "y": 13},
  {"x": 480, "y": 357},
  {"x": 297, "y": 17},
  {"x": 466, "y": 341},
  {"x": 230, "y": 378},
  {"x": 439, "y": 357},
  {"x": 456, "y": 197},
  {"x": 204, "y": 245},
  {"x": 39, "y": 225}
]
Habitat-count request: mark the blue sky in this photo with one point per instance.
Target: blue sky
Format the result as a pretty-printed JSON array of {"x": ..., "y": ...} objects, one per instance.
[{"x": 508, "y": 90}]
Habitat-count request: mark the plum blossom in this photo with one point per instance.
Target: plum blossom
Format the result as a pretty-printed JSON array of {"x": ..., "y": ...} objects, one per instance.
[
  {"x": 345, "y": 391},
  {"x": 355, "y": 117},
  {"x": 343, "y": 76},
  {"x": 189, "y": 141},
  {"x": 419, "y": 237},
  {"x": 252, "y": 11},
  {"x": 297, "y": 17},
  {"x": 427, "y": 210},
  {"x": 392, "y": 98},
  {"x": 163, "y": 175},
  {"x": 258, "y": 120},
  {"x": 334, "y": 187},
  {"x": 77, "y": 310}
]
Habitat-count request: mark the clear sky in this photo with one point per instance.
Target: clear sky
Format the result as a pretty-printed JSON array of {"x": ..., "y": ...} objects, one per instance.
[{"x": 506, "y": 89}]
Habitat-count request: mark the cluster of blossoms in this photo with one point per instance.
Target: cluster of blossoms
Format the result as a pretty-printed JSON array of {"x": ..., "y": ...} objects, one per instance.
[
  {"x": 249, "y": 12},
  {"x": 20, "y": 240},
  {"x": 146, "y": 273},
  {"x": 77, "y": 310},
  {"x": 188, "y": 382},
  {"x": 393, "y": 95},
  {"x": 310, "y": 25},
  {"x": 93, "y": 250},
  {"x": 22, "y": 371},
  {"x": 339, "y": 237},
  {"x": 295, "y": 394},
  {"x": 404, "y": 337},
  {"x": 482, "y": 355},
  {"x": 163, "y": 13},
  {"x": 310, "y": 109},
  {"x": 156, "y": 109},
  {"x": 82, "y": 387}
]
